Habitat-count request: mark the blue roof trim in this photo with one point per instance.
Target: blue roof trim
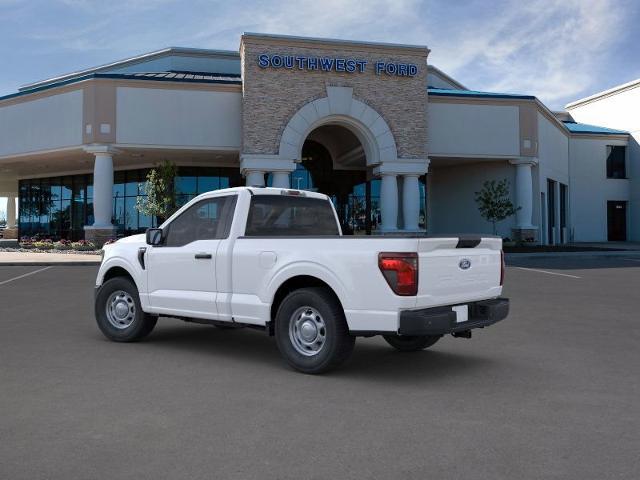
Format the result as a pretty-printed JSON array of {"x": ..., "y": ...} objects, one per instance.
[
  {"x": 226, "y": 79},
  {"x": 445, "y": 92},
  {"x": 575, "y": 127}
]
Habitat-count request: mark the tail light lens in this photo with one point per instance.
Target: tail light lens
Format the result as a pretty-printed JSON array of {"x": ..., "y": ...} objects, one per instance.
[
  {"x": 501, "y": 267},
  {"x": 400, "y": 270}
]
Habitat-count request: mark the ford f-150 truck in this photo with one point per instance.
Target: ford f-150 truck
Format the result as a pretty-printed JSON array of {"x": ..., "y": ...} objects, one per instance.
[{"x": 276, "y": 259}]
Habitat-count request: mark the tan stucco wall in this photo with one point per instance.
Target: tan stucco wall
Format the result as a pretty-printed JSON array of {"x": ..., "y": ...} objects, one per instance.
[{"x": 272, "y": 96}]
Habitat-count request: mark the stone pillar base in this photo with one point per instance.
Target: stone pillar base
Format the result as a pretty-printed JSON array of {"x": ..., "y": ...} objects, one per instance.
[
  {"x": 524, "y": 234},
  {"x": 10, "y": 233},
  {"x": 99, "y": 235}
]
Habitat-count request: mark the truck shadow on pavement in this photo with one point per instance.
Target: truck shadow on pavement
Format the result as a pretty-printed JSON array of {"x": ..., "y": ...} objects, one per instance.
[{"x": 371, "y": 359}]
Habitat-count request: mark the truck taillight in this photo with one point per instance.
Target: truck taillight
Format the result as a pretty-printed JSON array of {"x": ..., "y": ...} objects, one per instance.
[
  {"x": 400, "y": 270},
  {"x": 501, "y": 267}
]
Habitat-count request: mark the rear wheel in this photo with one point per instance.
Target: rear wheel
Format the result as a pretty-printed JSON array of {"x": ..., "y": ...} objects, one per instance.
[
  {"x": 409, "y": 343},
  {"x": 311, "y": 331},
  {"x": 119, "y": 314}
]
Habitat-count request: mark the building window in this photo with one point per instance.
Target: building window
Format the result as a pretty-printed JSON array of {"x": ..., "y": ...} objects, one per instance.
[
  {"x": 60, "y": 207},
  {"x": 616, "y": 161}
]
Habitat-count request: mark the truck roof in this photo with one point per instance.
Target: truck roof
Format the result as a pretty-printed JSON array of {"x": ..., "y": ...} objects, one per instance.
[{"x": 265, "y": 191}]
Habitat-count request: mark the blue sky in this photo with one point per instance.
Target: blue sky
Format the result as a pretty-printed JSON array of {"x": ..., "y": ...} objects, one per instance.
[{"x": 558, "y": 50}]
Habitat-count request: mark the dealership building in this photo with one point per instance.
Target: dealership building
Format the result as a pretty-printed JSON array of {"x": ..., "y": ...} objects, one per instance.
[{"x": 399, "y": 145}]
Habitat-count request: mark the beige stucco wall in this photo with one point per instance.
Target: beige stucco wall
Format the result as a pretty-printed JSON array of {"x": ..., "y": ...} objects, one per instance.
[
  {"x": 272, "y": 96},
  {"x": 44, "y": 123}
]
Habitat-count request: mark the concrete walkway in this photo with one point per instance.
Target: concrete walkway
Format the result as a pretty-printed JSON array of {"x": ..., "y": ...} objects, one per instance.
[
  {"x": 617, "y": 245},
  {"x": 592, "y": 254},
  {"x": 36, "y": 259}
]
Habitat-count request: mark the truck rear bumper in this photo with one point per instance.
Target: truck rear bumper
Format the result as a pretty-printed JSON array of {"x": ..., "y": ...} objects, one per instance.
[{"x": 443, "y": 320}]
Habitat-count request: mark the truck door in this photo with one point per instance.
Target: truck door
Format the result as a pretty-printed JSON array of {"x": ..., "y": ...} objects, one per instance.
[{"x": 182, "y": 270}]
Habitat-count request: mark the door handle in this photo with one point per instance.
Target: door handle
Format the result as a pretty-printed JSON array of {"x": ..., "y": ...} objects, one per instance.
[{"x": 203, "y": 256}]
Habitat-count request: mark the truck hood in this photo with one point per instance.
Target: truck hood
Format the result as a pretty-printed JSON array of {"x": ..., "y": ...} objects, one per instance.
[
  {"x": 133, "y": 239},
  {"x": 140, "y": 238}
]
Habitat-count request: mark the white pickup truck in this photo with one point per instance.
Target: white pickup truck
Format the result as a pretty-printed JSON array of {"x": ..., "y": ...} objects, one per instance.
[{"x": 276, "y": 259}]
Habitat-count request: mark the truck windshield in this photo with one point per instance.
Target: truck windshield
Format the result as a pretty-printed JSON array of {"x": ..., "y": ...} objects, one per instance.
[{"x": 282, "y": 215}]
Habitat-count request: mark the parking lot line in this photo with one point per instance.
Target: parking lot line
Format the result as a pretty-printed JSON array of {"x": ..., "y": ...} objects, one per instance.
[
  {"x": 550, "y": 273},
  {"x": 25, "y": 275}
]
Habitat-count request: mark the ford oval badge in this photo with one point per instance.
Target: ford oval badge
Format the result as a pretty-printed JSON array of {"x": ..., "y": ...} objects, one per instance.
[{"x": 464, "y": 264}]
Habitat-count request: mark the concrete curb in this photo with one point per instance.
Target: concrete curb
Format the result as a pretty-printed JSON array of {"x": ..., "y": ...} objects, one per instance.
[{"x": 600, "y": 254}]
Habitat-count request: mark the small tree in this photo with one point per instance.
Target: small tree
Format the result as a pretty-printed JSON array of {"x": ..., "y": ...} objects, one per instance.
[
  {"x": 160, "y": 200},
  {"x": 494, "y": 203}
]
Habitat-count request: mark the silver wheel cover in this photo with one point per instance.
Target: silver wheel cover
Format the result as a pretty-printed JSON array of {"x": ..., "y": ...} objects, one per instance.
[
  {"x": 121, "y": 309},
  {"x": 307, "y": 331}
]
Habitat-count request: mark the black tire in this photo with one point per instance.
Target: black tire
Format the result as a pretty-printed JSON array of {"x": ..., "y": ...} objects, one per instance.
[
  {"x": 336, "y": 343},
  {"x": 140, "y": 324},
  {"x": 407, "y": 343}
]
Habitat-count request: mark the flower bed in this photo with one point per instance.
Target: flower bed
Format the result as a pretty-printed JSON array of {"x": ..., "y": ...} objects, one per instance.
[{"x": 47, "y": 245}]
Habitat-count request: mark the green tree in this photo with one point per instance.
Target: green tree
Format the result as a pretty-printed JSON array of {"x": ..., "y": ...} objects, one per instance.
[
  {"x": 160, "y": 199},
  {"x": 494, "y": 203}
]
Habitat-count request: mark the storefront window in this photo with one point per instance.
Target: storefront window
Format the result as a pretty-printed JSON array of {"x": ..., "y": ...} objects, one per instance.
[
  {"x": 60, "y": 207},
  {"x": 422, "y": 219}
]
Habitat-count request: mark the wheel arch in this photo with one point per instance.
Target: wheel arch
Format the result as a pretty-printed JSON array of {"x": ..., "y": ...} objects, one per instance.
[
  {"x": 117, "y": 267},
  {"x": 296, "y": 283},
  {"x": 116, "y": 271}
]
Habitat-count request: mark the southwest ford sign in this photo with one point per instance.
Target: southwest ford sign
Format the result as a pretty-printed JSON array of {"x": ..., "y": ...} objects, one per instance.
[{"x": 334, "y": 64}]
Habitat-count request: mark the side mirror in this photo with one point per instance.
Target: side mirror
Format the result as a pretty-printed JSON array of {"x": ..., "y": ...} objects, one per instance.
[{"x": 154, "y": 236}]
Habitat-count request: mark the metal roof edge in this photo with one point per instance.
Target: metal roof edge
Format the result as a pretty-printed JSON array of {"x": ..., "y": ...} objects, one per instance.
[
  {"x": 121, "y": 76},
  {"x": 336, "y": 41},
  {"x": 130, "y": 61},
  {"x": 446, "y": 76},
  {"x": 604, "y": 93},
  {"x": 476, "y": 94}
]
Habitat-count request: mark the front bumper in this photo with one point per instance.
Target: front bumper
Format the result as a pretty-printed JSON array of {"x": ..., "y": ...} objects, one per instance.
[{"x": 443, "y": 320}]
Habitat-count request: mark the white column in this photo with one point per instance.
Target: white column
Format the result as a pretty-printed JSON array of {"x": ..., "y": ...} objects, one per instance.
[
  {"x": 411, "y": 201},
  {"x": 389, "y": 202},
  {"x": 524, "y": 193},
  {"x": 103, "y": 190},
  {"x": 11, "y": 212},
  {"x": 281, "y": 180},
  {"x": 255, "y": 178}
]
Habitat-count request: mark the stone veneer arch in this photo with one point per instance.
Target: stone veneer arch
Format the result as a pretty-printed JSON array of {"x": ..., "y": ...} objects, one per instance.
[{"x": 340, "y": 108}]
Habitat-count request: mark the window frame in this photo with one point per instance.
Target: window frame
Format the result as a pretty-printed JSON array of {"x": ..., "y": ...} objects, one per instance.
[
  {"x": 226, "y": 219},
  {"x": 609, "y": 167}
]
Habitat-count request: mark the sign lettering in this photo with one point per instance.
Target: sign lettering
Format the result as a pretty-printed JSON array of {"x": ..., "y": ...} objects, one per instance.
[{"x": 331, "y": 64}]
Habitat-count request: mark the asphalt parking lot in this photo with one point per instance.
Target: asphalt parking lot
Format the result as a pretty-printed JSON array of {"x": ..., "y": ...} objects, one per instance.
[{"x": 551, "y": 392}]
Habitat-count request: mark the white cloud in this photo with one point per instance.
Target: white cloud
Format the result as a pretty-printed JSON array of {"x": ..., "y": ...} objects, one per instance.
[
  {"x": 548, "y": 48},
  {"x": 553, "y": 49}
]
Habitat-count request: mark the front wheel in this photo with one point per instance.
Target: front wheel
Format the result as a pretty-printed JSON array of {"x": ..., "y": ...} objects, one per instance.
[
  {"x": 311, "y": 331},
  {"x": 409, "y": 343},
  {"x": 119, "y": 314}
]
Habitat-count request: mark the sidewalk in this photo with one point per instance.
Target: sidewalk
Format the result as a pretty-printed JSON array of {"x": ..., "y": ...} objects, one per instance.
[
  {"x": 622, "y": 249},
  {"x": 37, "y": 259},
  {"x": 593, "y": 253}
]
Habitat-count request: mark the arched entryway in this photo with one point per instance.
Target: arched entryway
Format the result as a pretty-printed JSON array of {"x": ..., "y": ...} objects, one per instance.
[
  {"x": 333, "y": 162},
  {"x": 340, "y": 146}
]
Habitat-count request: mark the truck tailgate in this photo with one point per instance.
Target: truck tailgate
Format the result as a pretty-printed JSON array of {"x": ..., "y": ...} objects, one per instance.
[{"x": 458, "y": 270}]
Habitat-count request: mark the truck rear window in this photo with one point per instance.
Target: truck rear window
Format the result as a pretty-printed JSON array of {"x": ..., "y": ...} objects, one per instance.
[{"x": 282, "y": 215}]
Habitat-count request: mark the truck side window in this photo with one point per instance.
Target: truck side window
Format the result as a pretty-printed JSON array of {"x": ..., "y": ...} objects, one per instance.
[
  {"x": 280, "y": 215},
  {"x": 209, "y": 219}
]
